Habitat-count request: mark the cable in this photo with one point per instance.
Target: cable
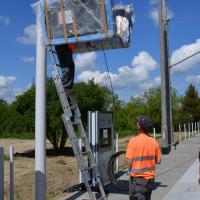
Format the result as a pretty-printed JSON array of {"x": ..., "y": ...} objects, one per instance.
[
  {"x": 192, "y": 18},
  {"x": 119, "y": 184},
  {"x": 108, "y": 73},
  {"x": 184, "y": 59}
]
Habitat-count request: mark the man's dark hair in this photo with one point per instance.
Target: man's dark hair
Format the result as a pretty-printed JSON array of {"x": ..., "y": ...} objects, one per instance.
[{"x": 145, "y": 123}]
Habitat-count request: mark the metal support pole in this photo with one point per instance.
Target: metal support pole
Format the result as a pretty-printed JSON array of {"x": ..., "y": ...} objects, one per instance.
[
  {"x": 1, "y": 173},
  {"x": 185, "y": 131},
  {"x": 154, "y": 133},
  {"x": 40, "y": 114},
  {"x": 195, "y": 128},
  {"x": 11, "y": 172},
  {"x": 189, "y": 130},
  {"x": 180, "y": 135},
  {"x": 198, "y": 127},
  {"x": 117, "y": 149},
  {"x": 165, "y": 81},
  {"x": 192, "y": 129}
]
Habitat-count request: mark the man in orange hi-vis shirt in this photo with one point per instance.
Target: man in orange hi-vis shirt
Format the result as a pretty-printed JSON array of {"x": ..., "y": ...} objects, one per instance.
[
  {"x": 65, "y": 57},
  {"x": 142, "y": 154}
]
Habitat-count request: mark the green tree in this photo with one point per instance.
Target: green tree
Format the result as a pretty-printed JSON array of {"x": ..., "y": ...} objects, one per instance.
[
  {"x": 56, "y": 133},
  {"x": 92, "y": 97},
  {"x": 191, "y": 103},
  {"x": 3, "y": 116},
  {"x": 152, "y": 100}
]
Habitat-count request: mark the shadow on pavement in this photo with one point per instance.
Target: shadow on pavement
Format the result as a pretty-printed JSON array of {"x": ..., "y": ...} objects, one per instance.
[
  {"x": 67, "y": 151},
  {"x": 158, "y": 184}
]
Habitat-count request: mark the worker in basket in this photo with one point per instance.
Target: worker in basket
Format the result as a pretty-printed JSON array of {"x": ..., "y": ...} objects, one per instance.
[{"x": 65, "y": 57}]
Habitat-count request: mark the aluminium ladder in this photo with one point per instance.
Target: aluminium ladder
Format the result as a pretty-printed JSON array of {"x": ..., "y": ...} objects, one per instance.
[{"x": 72, "y": 117}]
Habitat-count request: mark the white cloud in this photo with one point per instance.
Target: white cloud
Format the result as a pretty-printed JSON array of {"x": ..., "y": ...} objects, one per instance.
[
  {"x": 127, "y": 77},
  {"x": 153, "y": 2},
  {"x": 151, "y": 83},
  {"x": 85, "y": 61},
  {"x": 194, "y": 79},
  {"x": 170, "y": 13},
  {"x": 6, "y": 90},
  {"x": 28, "y": 59},
  {"x": 6, "y": 81},
  {"x": 29, "y": 36},
  {"x": 5, "y": 20},
  {"x": 183, "y": 52},
  {"x": 154, "y": 15}
]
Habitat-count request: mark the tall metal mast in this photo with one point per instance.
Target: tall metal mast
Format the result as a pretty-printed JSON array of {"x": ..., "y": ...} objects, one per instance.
[{"x": 165, "y": 80}]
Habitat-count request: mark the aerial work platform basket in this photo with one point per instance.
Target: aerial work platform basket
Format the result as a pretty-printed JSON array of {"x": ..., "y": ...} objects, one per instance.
[{"x": 87, "y": 24}]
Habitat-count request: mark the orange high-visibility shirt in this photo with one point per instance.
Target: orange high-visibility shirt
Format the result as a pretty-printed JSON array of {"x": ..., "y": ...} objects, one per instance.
[{"x": 144, "y": 151}]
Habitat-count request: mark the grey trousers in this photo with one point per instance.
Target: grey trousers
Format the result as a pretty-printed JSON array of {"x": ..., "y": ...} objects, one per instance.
[
  {"x": 140, "y": 188},
  {"x": 65, "y": 57}
]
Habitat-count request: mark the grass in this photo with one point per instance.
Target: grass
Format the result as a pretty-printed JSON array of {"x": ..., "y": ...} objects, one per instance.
[
  {"x": 22, "y": 136},
  {"x": 6, "y": 157},
  {"x": 61, "y": 162},
  {"x": 126, "y": 133}
]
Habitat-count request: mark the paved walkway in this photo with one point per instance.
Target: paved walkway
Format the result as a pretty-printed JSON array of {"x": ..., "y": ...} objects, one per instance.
[
  {"x": 187, "y": 187},
  {"x": 176, "y": 176}
]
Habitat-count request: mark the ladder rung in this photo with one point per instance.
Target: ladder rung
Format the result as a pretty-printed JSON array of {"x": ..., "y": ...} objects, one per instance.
[
  {"x": 92, "y": 166},
  {"x": 85, "y": 152},
  {"x": 58, "y": 65},
  {"x": 73, "y": 107},
  {"x": 85, "y": 169},
  {"x": 52, "y": 51},
  {"x": 75, "y": 123},
  {"x": 69, "y": 92}
]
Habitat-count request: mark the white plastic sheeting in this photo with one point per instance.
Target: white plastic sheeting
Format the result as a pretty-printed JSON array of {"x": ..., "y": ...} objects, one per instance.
[{"x": 84, "y": 24}]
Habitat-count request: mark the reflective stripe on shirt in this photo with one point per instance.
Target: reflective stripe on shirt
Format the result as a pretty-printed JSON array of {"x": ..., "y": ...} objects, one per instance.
[
  {"x": 143, "y": 158},
  {"x": 146, "y": 169}
]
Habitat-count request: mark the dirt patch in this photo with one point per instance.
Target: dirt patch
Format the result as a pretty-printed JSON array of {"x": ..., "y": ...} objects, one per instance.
[{"x": 61, "y": 170}]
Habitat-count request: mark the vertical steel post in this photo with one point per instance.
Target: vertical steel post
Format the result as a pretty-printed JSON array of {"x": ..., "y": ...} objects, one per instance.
[
  {"x": 180, "y": 135},
  {"x": 192, "y": 129},
  {"x": 40, "y": 114},
  {"x": 165, "y": 80},
  {"x": 11, "y": 172},
  {"x": 154, "y": 133},
  {"x": 185, "y": 131},
  {"x": 189, "y": 130},
  {"x": 117, "y": 149},
  {"x": 1, "y": 173}
]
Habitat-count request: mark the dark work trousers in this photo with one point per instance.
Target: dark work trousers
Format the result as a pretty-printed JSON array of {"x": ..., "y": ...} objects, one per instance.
[
  {"x": 140, "y": 188},
  {"x": 65, "y": 57}
]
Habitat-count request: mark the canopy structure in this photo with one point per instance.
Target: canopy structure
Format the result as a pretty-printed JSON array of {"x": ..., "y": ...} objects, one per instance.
[{"x": 88, "y": 25}]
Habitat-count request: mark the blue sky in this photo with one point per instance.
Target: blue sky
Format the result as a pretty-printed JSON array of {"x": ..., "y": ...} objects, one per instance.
[{"x": 133, "y": 70}]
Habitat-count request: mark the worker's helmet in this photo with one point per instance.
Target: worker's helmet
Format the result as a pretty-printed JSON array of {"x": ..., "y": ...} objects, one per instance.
[{"x": 145, "y": 123}]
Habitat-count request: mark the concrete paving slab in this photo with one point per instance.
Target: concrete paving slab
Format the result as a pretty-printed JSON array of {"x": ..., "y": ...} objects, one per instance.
[
  {"x": 187, "y": 187},
  {"x": 174, "y": 165}
]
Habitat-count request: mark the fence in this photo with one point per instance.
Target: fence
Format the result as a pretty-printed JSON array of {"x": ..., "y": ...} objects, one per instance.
[
  {"x": 11, "y": 158},
  {"x": 186, "y": 131}
]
